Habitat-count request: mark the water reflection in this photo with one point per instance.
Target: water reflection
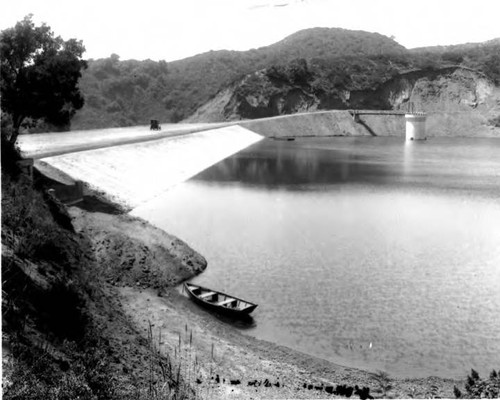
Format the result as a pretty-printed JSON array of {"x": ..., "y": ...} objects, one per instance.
[
  {"x": 409, "y": 152},
  {"x": 307, "y": 164},
  {"x": 290, "y": 164}
]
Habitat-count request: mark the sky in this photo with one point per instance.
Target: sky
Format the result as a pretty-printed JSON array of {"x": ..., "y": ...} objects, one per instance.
[{"x": 175, "y": 29}]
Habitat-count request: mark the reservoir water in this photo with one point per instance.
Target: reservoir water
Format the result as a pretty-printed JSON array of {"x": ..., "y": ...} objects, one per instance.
[{"x": 369, "y": 252}]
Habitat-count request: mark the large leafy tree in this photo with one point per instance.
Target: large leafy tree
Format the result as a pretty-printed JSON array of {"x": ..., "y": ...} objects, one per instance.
[{"x": 39, "y": 75}]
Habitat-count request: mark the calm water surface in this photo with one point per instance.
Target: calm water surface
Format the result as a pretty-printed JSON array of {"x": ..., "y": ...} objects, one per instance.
[{"x": 368, "y": 252}]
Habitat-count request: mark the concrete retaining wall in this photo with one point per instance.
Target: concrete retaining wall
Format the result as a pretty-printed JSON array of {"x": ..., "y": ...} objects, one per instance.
[{"x": 328, "y": 123}]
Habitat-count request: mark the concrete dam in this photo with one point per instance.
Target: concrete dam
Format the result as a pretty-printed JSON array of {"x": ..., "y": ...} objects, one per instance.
[{"x": 133, "y": 165}]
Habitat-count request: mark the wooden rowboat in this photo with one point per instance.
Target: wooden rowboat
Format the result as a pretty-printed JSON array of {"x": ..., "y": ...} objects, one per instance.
[{"x": 219, "y": 301}]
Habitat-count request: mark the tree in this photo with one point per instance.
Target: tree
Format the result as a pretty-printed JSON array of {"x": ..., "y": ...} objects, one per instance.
[
  {"x": 39, "y": 75},
  {"x": 297, "y": 71}
]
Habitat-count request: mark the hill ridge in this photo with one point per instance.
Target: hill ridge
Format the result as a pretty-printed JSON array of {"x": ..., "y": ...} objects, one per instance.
[{"x": 126, "y": 93}]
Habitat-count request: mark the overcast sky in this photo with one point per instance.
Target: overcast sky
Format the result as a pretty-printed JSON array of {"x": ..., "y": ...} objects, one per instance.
[{"x": 175, "y": 29}]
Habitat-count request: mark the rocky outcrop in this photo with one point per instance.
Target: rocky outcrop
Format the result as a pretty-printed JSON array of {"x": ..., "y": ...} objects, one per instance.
[
  {"x": 459, "y": 101},
  {"x": 447, "y": 89}
]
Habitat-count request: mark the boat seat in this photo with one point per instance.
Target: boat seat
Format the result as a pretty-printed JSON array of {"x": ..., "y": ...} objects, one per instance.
[
  {"x": 208, "y": 294},
  {"x": 224, "y": 302}
]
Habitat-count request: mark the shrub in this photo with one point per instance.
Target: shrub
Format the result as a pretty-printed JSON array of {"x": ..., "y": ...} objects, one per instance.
[
  {"x": 62, "y": 310},
  {"x": 477, "y": 388},
  {"x": 35, "y": 375},
  {"x": 26, "y": 216}
]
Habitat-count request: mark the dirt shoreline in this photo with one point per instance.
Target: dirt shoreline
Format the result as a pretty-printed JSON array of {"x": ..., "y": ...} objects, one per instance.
[{"x": 143, "y": 265}]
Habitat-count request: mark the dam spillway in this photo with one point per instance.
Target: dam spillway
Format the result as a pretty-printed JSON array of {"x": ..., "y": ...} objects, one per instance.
[{"x": 132, "y": 174}]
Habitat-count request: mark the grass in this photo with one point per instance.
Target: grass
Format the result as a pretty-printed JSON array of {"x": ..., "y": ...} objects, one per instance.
[
  {"x": 171, "y": 377},
  {"x": 50, "y": 284},
  {"x": 30, "y": 228},
  {"x": 36, "y": 372},
  {"x": 179, "y": 372}
]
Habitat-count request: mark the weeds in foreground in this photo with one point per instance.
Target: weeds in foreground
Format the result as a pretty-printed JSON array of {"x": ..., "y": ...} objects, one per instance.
[
  {"x": 32, "y": 373},
  {"x": 384, "y": 383},
  {"x": 432, "y": 392},
  {"x": 477, "y": 388},
  {"x": 413, "y": 393},
  {"x": 178, "y": 374},
  {"x": 172, "y": 378},
  {"x": 26, "y": 215},
  {"x": 35, "y": 373},
  {"x": 385, "y": 387}
]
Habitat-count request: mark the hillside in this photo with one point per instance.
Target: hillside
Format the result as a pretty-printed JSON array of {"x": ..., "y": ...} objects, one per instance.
[
  {"x": 456, "y": 47},
  {"x": 459, "y": 85},
  {"x": 313, "y": 69},
  {"x": 65, "y": 335},
  {"x": 123, "y": 93}
]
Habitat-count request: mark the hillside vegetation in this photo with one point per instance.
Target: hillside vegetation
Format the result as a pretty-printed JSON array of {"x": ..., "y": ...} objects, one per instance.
[
  {"x": 122, "y": 93},
  {"x": 65, "y": 335},
  {"x": 331, "y": 62}
]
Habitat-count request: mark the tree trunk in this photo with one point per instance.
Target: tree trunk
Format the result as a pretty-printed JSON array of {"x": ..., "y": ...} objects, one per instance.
[{"x": 16, "y": 125}]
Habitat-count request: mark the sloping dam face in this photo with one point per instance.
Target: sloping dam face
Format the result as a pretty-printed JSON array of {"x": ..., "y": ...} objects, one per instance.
[{"x": 135, "y": 173}]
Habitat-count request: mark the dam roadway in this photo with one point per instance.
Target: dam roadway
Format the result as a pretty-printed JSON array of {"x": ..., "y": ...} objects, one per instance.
[
  {"x": 43, "y": 145},
  {"x": 320, "y": 123}
]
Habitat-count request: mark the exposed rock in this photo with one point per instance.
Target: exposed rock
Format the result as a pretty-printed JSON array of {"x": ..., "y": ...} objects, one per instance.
[{"x": 459, "y": 101}]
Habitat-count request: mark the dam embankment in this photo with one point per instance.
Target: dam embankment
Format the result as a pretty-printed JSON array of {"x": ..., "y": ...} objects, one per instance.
[
  {"x": 133, "y": 165},
  {"x": 130, "y": 174}
]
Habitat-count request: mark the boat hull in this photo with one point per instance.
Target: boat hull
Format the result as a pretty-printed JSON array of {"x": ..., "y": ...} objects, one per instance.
[{"x": 213, "y": 306}]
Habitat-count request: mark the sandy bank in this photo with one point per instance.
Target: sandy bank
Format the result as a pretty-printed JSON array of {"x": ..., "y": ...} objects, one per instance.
[
  {"x": 143, "y": 264},
  {"x": 238, "y": 357}
]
